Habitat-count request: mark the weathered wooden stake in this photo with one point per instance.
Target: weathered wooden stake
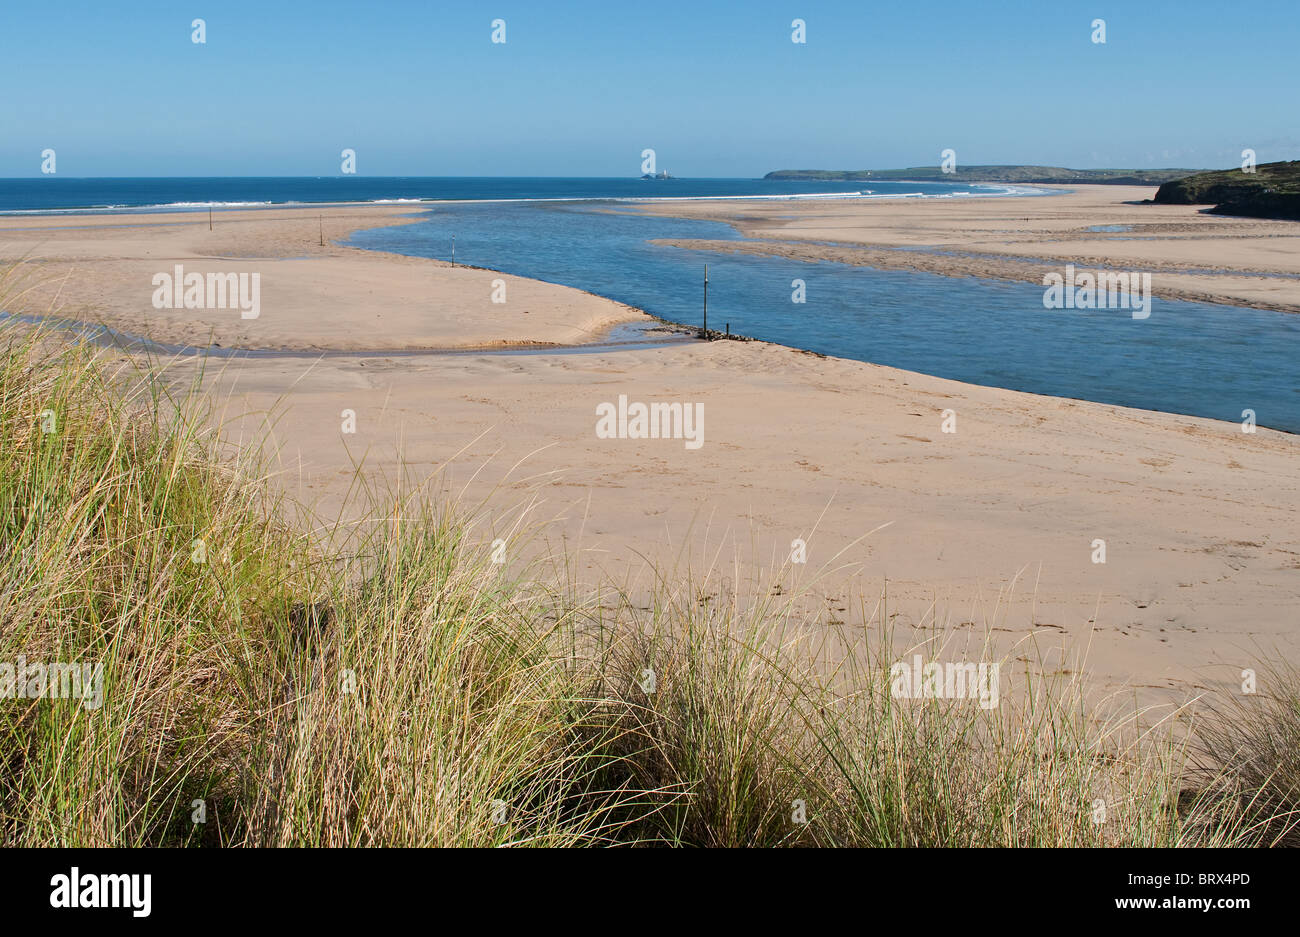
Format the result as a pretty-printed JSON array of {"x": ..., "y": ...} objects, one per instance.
[
  {"x": 209, "y": 217},
  {"x": 705, "y": 333}
]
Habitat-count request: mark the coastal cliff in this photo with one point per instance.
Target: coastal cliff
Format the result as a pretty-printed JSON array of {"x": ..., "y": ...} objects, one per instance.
[{"x": 1271, "y": 191}]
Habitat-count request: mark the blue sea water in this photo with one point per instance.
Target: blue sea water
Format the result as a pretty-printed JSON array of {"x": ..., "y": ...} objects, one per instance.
[
  {"x": 55, "y": 194},
  {"x": 1192, "y": 358}
]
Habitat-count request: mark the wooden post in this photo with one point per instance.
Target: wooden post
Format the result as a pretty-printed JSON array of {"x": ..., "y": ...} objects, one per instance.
[
  {"x": 209, "y": 217},
  {"x": 705, "y": 333}
]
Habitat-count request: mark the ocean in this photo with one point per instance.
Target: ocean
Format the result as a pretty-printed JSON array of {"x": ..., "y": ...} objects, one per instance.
[{"x": 55, "y": 194}]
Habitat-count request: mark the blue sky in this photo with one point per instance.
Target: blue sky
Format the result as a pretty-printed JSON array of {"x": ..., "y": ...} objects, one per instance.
[{"x": 580, "y": 88}]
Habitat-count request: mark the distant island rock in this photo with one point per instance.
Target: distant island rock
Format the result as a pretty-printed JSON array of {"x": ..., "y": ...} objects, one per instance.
[
  {"x": 1045, "y": 175},
  {"x": 1271, "y": 191}
]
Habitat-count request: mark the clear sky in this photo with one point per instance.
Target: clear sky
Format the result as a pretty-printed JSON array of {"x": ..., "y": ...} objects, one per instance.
[{"x": 581, "y": 88}]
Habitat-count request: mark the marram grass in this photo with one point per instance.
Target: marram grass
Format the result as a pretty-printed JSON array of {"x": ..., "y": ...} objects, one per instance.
[{"x": 258, "y": 691}]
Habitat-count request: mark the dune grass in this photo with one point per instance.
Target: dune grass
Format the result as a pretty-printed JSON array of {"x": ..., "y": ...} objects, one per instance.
[
  {"x": 1247, "y": 758},
  {"x": 259, "y": 690}
]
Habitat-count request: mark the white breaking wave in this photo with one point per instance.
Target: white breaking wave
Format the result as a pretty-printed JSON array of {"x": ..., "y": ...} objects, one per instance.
[
  {"x": 986, "y": 190},
  {"x": 161, "y": 207},
  {"x": 208, "y": 205}
]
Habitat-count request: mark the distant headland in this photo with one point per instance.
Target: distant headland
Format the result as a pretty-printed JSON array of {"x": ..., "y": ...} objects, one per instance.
[
  {"x": 1045, "y": 175},
  {"x": 1271, "y": 191}
]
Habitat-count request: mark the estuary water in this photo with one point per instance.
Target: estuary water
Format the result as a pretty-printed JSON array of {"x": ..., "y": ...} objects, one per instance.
[{"x": 1191, "y": 358}]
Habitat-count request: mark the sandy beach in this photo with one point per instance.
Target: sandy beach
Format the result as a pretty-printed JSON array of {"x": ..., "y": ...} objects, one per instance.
[{"x": 991, "y": 527}]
